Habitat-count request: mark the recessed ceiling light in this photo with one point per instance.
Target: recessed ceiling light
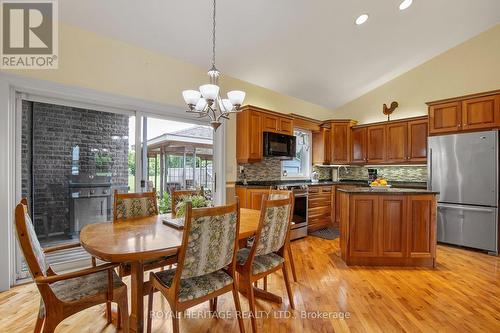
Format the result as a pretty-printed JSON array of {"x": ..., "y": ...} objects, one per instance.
[
  {"x": 361, "y": 19},
  {"x": 405, "y": 4}
]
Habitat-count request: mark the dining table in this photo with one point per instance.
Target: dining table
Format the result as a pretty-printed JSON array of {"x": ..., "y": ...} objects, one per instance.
[{"x": 139, "y": 240}]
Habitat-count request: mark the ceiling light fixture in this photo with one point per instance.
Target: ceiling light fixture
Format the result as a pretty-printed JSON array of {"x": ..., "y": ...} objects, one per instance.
[
  {"x": 206, "y": 102},
  {"x": 361, "y": 19},
  {"x": 405, "y": 4}
]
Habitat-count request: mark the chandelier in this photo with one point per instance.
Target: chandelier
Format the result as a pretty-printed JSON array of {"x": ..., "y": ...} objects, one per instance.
[{"x": 206, "y": 101}]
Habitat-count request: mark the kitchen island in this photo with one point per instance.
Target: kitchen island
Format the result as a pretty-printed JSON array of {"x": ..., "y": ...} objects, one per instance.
[{"x": 391, "y": 227}]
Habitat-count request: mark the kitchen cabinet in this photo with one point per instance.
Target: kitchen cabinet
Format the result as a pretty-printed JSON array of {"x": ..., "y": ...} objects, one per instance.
[
  {"x": 320, "y": 207},
  {"x": 467, "y": 113},
  {"x": 481, "y": 112},
  {"x": 445, "y": 118},
  {"x": 388, "y": 229},
  {"x": 321, "y": 146},
  {"x": 337, "y": 202},
  {"x": 392, "y": 231},
  {"x": 276, "y": 124},
  {"x": 401, "y": 141},
  {"x": 407, "y": 141},
  {"x": 376, "y": 145},
  {"x": 251, "y": 122},
  {"x": 422, "y": 226},
  {"x": 417, "y": 140},
  {"x": 251, "y": 198},
  {"x": 362, "y": 228},
  {"x": 358, "y": 145},
  {"x": 397, "y": 142},
  {"x": 341, "y": 141}
]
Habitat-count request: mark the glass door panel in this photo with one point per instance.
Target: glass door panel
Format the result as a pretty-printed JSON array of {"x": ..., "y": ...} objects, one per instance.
[
  {"x": 180, "y": 156},
  {"x": 72, "y": 161}
]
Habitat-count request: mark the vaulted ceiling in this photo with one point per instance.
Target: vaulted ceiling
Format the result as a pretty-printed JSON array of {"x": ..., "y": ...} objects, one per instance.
[{"x": 307, "y": 49}]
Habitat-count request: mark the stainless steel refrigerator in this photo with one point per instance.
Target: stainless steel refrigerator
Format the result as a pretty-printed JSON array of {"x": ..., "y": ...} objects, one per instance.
[{"x": 464, "y": 169}]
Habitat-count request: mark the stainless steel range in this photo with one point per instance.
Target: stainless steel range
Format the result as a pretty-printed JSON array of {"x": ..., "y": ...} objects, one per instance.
[{"x": 300, "y": 217}]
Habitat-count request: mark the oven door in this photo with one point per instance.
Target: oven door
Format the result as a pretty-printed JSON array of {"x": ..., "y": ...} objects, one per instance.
[
  {"x": 299, "y": 218},
  {"x": 279, "y": 145}
]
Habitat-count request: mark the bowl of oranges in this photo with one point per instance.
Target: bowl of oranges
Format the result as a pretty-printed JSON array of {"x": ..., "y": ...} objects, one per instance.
[{"x": 379, "y": 184}]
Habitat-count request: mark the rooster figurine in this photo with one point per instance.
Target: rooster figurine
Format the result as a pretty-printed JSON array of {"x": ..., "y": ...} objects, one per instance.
[{"x": 389, "y": 110}]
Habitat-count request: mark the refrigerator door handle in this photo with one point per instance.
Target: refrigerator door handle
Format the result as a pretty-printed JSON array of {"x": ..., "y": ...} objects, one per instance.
[
  {"x": 429, "y": 186},
  {"x": 471, "y": 209}
]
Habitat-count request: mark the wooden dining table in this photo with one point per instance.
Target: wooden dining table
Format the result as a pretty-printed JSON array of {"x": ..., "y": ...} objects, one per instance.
[{"x": 138, "y": 240}]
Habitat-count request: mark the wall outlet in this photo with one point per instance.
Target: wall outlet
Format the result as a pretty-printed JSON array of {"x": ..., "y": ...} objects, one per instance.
[{"x": 241, "y": 168}]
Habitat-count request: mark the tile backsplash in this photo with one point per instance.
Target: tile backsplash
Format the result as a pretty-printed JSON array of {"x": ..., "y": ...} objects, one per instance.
[
  {"x": 391, "y": 173},
  {"x": 269, "y": 169}
]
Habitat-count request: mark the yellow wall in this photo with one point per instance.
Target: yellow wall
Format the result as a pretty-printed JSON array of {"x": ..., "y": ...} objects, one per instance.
[
  {"x": 100, "y": 63},
  {"x": 471, "y": 67}
]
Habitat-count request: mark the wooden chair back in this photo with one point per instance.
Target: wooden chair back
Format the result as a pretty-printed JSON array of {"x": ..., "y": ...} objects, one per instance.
[
  {"x": 32, "y": 250},
  {"x": 274, "y": 226},
  {"x": 133, "y": 205},
  {"x": 210, "y": 242},
  {"x": 180, "y": 195},
  {"x": 279, "y": 194}
]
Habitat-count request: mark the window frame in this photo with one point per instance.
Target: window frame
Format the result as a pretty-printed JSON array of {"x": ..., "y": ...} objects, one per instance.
[{"x": 307, "y": 174}]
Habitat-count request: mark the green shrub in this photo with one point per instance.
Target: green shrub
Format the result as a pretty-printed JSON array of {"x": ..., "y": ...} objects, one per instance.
[
  {"x": 164, "y": 204},
  {"x": 198, "y": 201}
]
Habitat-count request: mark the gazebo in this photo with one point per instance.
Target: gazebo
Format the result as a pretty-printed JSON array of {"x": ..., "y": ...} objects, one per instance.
[{"x": 181, "y": 159}]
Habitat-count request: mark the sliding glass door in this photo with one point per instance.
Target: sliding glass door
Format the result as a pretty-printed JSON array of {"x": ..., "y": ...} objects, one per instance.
[
  {"x": 179, "y": 156},
  {"x": 72, "y": 159}
]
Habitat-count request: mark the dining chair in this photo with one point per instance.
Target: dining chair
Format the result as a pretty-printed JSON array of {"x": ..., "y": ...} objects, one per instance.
[
  {"x": 66, "y": 294},
  {"x": 267, "y": 254},
  {"x": 276, "y": 195},
  {"x": 129, "y": 206},
  {"x": 206, "y": 265},
  {"x": 181, "y": 195}
]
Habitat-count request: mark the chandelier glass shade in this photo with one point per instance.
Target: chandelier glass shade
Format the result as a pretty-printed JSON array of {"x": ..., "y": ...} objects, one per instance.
[{"x": 206, "y": 101}]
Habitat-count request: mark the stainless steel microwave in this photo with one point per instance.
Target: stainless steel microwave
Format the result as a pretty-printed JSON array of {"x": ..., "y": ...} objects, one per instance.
[{"x": 279, "y": 145}]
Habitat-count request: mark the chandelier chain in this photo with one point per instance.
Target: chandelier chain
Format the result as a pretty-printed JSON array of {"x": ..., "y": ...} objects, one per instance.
[{"x": 213, "y": 38}]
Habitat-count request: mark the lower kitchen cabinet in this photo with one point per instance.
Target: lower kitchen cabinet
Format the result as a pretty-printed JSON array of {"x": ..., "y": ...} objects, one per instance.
[
  {"x": 382, "y": 229},
  {"x": 251, "y": 198},
  {"x": 321, "y": 207}
]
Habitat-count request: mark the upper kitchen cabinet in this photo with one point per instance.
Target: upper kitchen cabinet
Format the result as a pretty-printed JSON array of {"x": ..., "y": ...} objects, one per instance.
[
  {"x": 481, "y": 112},
  {"x": 340, "y": 141},
  {"x": 358, "y": 145},
  {"x": 407, "y": 141},
  {"x": 251, "y": 123},
  {"x": 467, "y": 113},
  {"x": 276, "y": 124},
  {"x": 321, "y": 148},
  {"x": 248, "y": 136},
  {"x": 400, "y": 141},
  {"x": 376, "y": 144},
  {"x": 417, "y": 140},
  {"x": 331, "y": 144},
  {"x": 397, "y": 142},
  {"x": 445, "y": 118}
]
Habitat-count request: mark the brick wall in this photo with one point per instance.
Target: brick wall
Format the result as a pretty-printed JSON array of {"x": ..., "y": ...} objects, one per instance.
[{"x": 55, "y": 130}]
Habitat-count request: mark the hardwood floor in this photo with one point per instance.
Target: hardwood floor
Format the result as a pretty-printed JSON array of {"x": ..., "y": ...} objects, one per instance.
[{"x": 461, "y": 295}]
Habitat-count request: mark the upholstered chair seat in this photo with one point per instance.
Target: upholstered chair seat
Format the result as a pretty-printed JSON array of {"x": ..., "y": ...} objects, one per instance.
[
  {"x": 85, "y": 286},
  {"x": 198, "y": 286},
  {"x": 262, "y": 263}
]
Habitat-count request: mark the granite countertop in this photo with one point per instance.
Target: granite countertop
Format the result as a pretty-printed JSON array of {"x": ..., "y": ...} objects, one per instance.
[
  {"x": 362, "y": 183},
  {"x": 367, "y": 190}
]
